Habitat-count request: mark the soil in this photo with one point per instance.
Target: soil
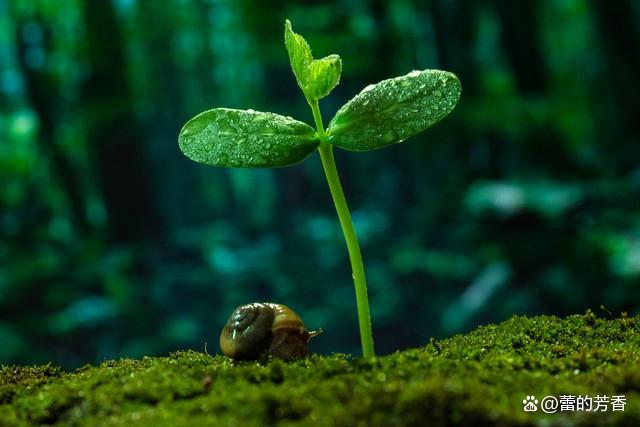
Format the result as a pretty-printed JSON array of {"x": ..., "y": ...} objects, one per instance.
[{"x": 476, "y": 379}]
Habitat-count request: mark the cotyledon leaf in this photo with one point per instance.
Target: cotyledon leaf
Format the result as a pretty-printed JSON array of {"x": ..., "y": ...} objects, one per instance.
[
  {"x": 245, "y": 138},
  {"x": 393, "y": 110}
]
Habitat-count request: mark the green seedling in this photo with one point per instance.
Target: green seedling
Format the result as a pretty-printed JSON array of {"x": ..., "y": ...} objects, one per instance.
[{"x": 380, "y": 115}]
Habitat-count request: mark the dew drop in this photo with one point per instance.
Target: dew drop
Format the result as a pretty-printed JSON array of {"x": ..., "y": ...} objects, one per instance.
[
  {"x": 367, "y": 88},
  {"x": 389, "y": 136},
  {"x": 437, "y": 93},
  {"x": 414, "y": 73}
]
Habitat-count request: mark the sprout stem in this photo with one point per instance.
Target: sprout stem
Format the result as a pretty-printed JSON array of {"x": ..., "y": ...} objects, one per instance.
[{"x": 355, "y": 256}]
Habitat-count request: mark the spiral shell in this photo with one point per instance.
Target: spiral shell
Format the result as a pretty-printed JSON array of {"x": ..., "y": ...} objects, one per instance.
[{"x": 258, "y": 329}]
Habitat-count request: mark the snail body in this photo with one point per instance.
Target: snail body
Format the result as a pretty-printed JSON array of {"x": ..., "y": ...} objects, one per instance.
[{"x": 259, "y": 329}]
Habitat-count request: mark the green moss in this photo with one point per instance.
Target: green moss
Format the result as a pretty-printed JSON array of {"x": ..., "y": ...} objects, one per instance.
[{"x": 474, "y": 379}]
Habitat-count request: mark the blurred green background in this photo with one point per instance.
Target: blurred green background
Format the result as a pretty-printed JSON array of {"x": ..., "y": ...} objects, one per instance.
[{"x": 524, "y": 200}]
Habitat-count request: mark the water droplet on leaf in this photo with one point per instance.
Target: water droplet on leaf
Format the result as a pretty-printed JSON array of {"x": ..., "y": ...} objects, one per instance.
[{"x": 389, "y": 136}]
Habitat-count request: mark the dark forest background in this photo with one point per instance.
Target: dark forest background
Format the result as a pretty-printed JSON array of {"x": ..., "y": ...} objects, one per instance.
[{"x": 524, "y": 200}]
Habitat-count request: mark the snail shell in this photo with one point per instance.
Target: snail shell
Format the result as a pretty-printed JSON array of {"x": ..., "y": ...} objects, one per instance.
[{"x": 258, "y": 329}]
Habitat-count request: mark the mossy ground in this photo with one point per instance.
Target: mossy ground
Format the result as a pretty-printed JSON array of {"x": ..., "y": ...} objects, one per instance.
[{"x": 468, "y": 380}]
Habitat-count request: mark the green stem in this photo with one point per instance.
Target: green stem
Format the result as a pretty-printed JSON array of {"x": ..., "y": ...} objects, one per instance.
[{"x": 355, "y": 256}]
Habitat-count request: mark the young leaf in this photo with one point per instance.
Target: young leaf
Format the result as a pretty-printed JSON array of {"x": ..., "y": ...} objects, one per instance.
[
  {"x": 316, "y": 77},
  {"x": 246, "y": 138},
  {"x": 393, "y": 110},
  {"x": 324, "y": 75},
  {"x": 299, "y": 55}
]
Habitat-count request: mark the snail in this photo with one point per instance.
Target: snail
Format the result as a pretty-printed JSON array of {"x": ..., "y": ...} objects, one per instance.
[{"x": 263, "y": 328}]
